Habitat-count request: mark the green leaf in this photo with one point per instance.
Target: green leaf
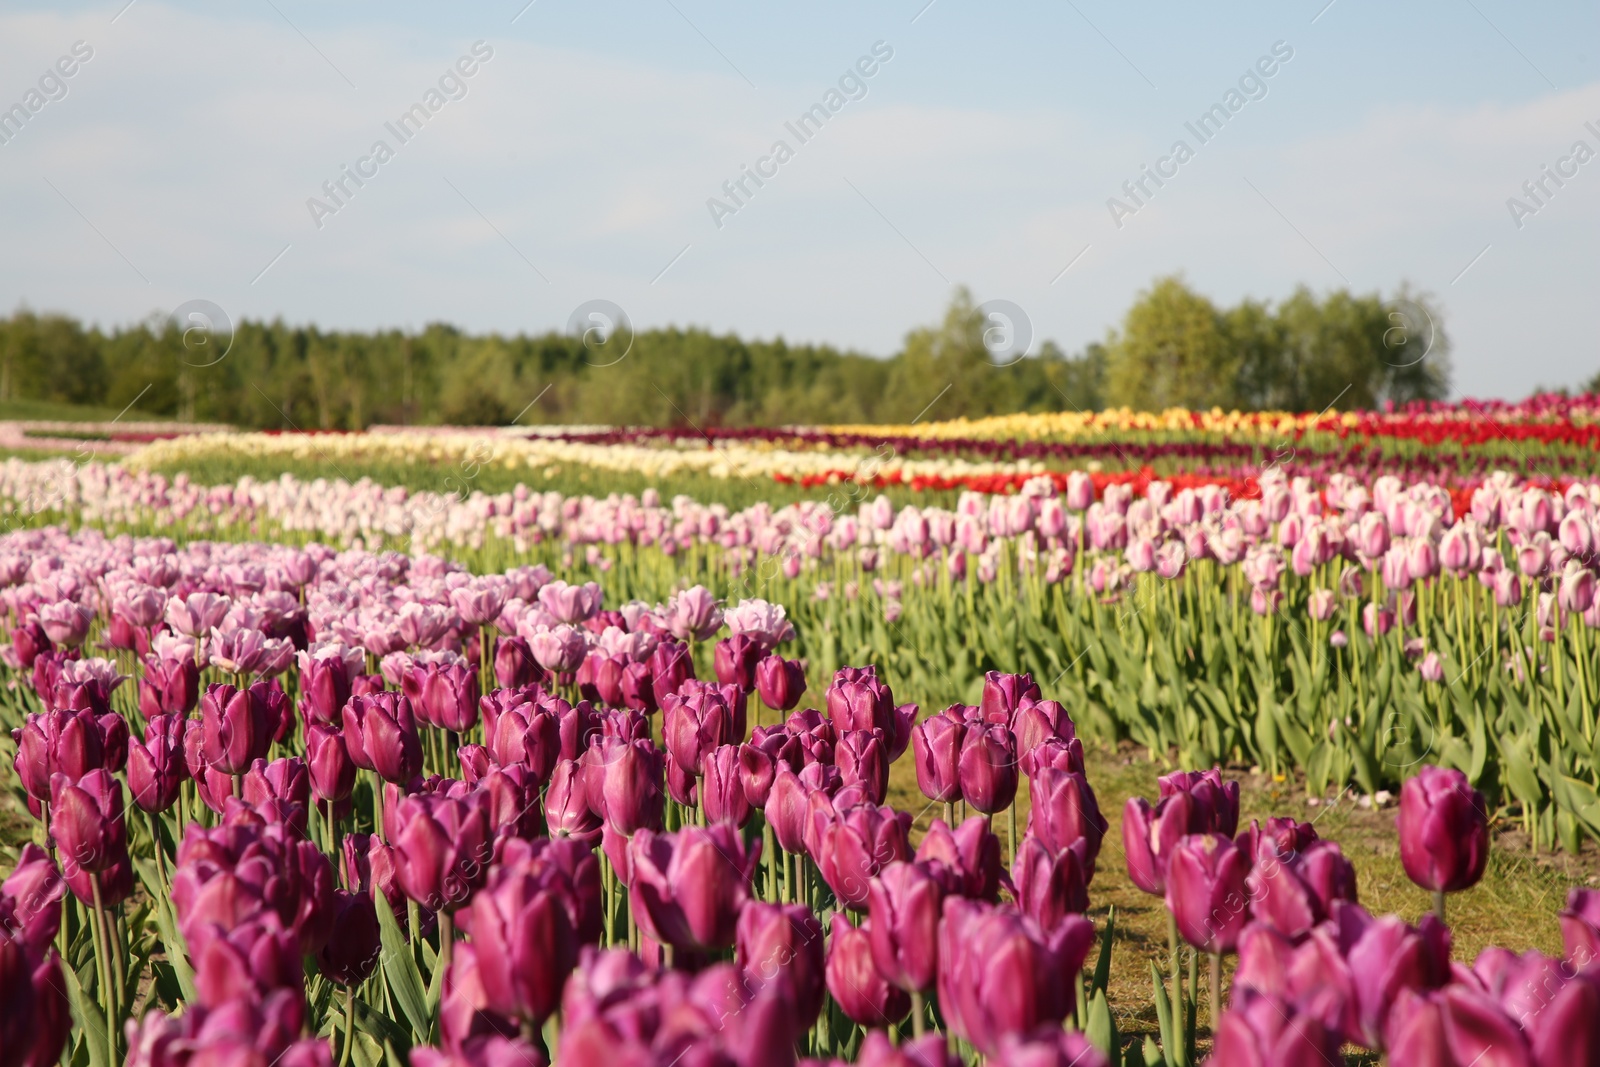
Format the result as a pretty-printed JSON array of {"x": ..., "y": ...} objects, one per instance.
[
  {"x": 176, "y": 949},
  {"x": 1169, "y": 1034},
  {"x": 1101, "y": 1029},
  {"x": 1102, "y": 967},
  {"x": 87, "y": 1014},
  {"x": 405, "y": 980}
]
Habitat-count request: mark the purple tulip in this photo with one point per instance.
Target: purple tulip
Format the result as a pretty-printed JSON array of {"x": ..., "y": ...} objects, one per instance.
[
  {"x": 966, "y": 861},
  {"x": 525, "y": 943},
  {"x": 566, "y": 805},
  {"x": 936, "y": 745},
  {"x": 1064, "y": 811},
  {"x": 1216, "y": 801},
  {"x": 168, "y": 686},
  {"x": 780, "y": 682},
  {"x": 237, "y": 729},
  {"x": 599, "y": 679},
  {"x": 624, "y": 784},
  {"x": 863, "y": 759},
  {"x": 156, "y": 767},
  {"x": 1049, "y": 885},
  {"x": 1000, "y": 975},
  {"x": 27, "y": 642},
  {"x": 333, "y": 773},
  {"x": 1580, "y": 926},
  {"x": 531, "y": 733},
  {"x": 326, "y": 677},
  {"x": 445, "y": 696},
  {"x": 34, "y": 1017},
  {"x": 1444, "y": 830},
  {"x": 903, "y": 904},
  {"x": 1454, "y": 1027},
  {"x": 442, "y": 847},
  {"x": 282, "y": 787},
  {"x": 637, "y": 686},
  {"x": 785, "y": 809},
  {"x": 786, "y": 939},
  {"x": 30, "y": 898},
  {"x": 759, "y": 759},
  {"x": 988, "y": 768},
  {"x": 248, "y": 961},
  {"x": 688, "y": 886},
  {"x": 1259, "y": 1031},
  {"x": 1386, "y": 956},
  {"x": 858, "y": 987},
  {"x": 723, "y": 787},
  {"x": 696, "y": 722},
  {"x": 860, "y": 701},
  {"x": 86, "y": 820},
  {"x": 60, "y": 742},
  {"x": 514, "y": 665},
  {"x": 1004, "y": 694},
  {"x": 380, "y": 734},
  {"x": 559, "y": 650},
  {"x": 351, "y": 953},
  {"x": 1206, "y": 891},
  {"x": 670, "y": 665},
  {"x": 853, "y": 846},
  {"x": 735, "y": 659}
]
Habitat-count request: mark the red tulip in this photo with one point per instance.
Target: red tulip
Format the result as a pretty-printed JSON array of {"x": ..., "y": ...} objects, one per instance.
[
  {"x": 966, "y": 861},
  {"x": 780, "y": 682},
  {"x": 380, "y": 733},
  {"x": 442, "y": 847},
  {"x": 1149, "y": 836},
  {"x": 1206, "y": 891},
  {"x": 1215, "y": 807},
  {"x": 86, "y": 820},
  {"x": 333, "y": 772},
  {"x": 854, "y": 845},
  {"x": 1064, "y": 810},
  {"x": 1050, "y": 886},
  {"x": 168, "y": 686},
  {"x": 863, "y": 759},
  {"x": 524, "y": 942},
  {"x": 936, "y": 744},
  {"x": 236, "y": 727},
  {"x": 724, "y": 796}
]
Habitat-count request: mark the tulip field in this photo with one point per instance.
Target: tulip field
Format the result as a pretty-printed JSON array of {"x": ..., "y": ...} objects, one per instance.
[{"x": 1002, "y": 742}]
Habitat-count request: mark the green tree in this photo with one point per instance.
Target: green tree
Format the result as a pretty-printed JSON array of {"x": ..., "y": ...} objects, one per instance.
[{"x": 1173, "y": 351}]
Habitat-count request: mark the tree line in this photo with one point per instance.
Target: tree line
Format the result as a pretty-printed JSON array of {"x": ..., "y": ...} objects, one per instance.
[{"x": 1174, "y": 348}]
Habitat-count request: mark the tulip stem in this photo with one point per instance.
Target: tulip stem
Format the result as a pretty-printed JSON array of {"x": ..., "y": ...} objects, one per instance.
[
  {"x": 1438, "y": 903},
  {"x": 1216, "y": 993},
  {"x": 1176, "y": 1054},
  {"x": 769, "y": 847},
  {"x": 950, "y": 814},
  {"x": 103, "y": 962},
  {"x": 917, "y": 1024},
  {"x": 349, "y": 1024},
  {"x": 447, "y": 931}
]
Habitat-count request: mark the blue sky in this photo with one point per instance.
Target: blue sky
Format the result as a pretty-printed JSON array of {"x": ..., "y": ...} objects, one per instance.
[{"x": 578, "y": 165}]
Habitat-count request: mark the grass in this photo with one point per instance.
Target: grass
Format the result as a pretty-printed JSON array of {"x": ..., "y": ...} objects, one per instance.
[{"x": 51, "y": 411}]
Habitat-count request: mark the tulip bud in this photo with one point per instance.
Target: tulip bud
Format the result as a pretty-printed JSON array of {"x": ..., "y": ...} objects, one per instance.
[
  {"x": 858, "y": 987},
  {"x": 351, "y": 953},
  {"x": 86, "y": 820},
  {"x": 514, "y": 665},
  {"x": 442, "y": 847},
  {"x": 780, "y": 682},
  {"x": 524, "y": 941},
  {"x": 1260, "y": 1031},
  {"x": 1206, "y": 891},
  {"x": 855, "y": 845},
  {"x": 1444, "y": 830},
  {"x": 736, "y": 659},
  {"x": 777, "y": 939},
  {"x": 724, "y": 796},
  {"x": 1149, "y": 836},
  {"x": 936, "y": 744},
  {"x": 237, "y": 730},
  {"x": 380, "y": 734},
  {"x": 1064, "y": 811},
  {"x": 966, "y": 861},
  {"x": 863, "y": 760},
  {"x": 687, "y": 887},
  {"x": 903, "y": 904},
  {"x": 168, "y": 687},
  {"x": 988, "y": 768},
  {"x": 1050, "y": 886},
  {"x": 156, "y": 768}
]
